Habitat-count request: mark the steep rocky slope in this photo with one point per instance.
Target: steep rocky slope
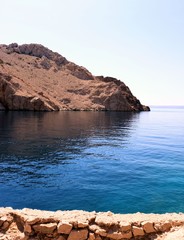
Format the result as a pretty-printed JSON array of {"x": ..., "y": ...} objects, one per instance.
[{"x": 32, "y": 77}]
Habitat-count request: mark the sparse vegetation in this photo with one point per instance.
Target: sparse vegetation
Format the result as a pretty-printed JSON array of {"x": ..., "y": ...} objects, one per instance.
[{"x": 1, "y": 61}]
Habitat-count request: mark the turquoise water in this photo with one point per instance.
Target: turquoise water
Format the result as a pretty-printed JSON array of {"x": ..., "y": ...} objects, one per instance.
[{"x": 103, "y": 161}]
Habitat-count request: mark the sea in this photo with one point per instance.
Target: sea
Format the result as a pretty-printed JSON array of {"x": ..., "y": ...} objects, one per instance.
[{"x": 96, "y": 161}]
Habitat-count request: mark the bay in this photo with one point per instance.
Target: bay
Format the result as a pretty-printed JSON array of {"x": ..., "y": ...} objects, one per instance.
[{"x": 102, "y": 161}]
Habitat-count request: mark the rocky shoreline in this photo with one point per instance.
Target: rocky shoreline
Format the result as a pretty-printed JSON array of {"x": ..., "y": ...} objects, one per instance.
[{"x": 81, "y": 225}]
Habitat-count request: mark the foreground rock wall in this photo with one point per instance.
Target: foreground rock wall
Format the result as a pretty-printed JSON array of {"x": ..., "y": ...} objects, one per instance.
[{"x": 81, "y": 225}]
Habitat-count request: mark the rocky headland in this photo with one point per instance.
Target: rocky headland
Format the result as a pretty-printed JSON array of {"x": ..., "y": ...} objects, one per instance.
[
  {"x": 32, "y": 77},
  {"x": 30, "y": 224}
]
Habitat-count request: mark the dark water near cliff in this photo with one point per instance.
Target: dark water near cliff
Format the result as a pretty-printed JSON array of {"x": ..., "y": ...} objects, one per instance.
[{"x": 122, "y": 162}]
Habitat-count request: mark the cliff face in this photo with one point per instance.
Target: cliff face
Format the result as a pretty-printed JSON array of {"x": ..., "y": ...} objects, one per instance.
[{"x": 32, "y": 77}]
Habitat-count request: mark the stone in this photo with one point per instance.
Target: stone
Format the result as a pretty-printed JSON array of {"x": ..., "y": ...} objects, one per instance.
[
  {"x": 82, "y": 224},
  {"x": 79, "y": 72},
  {"x": 61, "y": 238},
  {"x": 27, "y": 228},
  {"x": 137, "y": 231},
  {"x": 98, "y": 230},
  {"x": 32, "y": 220},
  {"x": 91, "y": 236},
  {"x": 45, "y": 228},
  {"x": 64, "y": 228},
  {"x": 6, "y": 225},
  {"x": 1, "y": 223},
  {"x": 148, "y": 227},
  {"x": 97, "y": 237},
  {"x": 105, "y": 220},
  {"x": 47, "y": 222},
  {"x": 78, "y": 234},
  {"x": 165, "y": 226},
  {"x": 7, "y": 218},
  {"x": 124, "y": 226},
  {"x": 101, "y": 232},
  {"x": 45, "y": 64},
  {"x": 157, "y": 227},
  {"x": 127, "y": 235},
  {"x": 177, "y": 223},
  {"x": 115, "y": 235}
]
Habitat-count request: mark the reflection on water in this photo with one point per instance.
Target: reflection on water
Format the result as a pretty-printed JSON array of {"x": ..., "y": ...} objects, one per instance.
[
  {"x": 30, "y": 135},
  {"x": 120, "y": 162},
  {"x": 36, "y": 149}
]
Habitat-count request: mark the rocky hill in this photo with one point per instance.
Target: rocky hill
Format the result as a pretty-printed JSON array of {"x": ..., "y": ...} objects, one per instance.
[{"x": 32, "y": 77}]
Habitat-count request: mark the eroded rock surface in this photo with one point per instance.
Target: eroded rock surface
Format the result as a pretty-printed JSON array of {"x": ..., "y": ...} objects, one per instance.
[
  {"x": 32, "y": 77},
  {"x": 82, "y": 225}
]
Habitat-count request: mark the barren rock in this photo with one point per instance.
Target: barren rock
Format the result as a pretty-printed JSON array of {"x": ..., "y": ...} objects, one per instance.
[
  {"x": 148, "y": 227},
  {"x": 115, "y": 235},
  {"x": 165, "y": 226},
  {"x": 78, "y": 234},
  {"x": 64, "y": 228},
  {"x": 125, "y": 226},
  {"x": 36, "y": 224},
  {"x": 137, "y": 231},
  {"x": 45, "y": 228},
  {"x": 91, "y": 236},
  {"x": 34, "y": 78},
  {"x": 27, "y": 228}
]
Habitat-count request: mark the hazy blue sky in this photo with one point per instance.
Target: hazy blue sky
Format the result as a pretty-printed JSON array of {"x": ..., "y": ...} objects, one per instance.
[{"x": 140, "y": 42}]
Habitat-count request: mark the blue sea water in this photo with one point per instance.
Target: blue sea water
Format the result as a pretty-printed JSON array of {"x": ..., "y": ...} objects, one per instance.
[{"x": 103, "y": 161}]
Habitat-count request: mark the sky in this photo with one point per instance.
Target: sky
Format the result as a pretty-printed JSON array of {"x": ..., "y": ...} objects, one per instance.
[{"x": 140, "y": 42}]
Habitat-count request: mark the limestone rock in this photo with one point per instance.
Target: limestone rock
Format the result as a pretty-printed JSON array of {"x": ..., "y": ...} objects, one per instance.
[
  {"x": 32, "y": 77},
  {"x": 124, "y": 226},
  {"x": 137, "y": 231},
  {"x": 5, "y": 225},
  {"x": 82, "y": 224},
  {"x": 61, "y": 238},
  {"x": 148, "y": 227},
  {"x": 46, "y": 228},
  {"x": 32, "y": 220},
  {"x": 105, "y": 220},
  {"x": 27, "y": 228},
  {"x": 36, "y": 50},
  {"x": 166, "y": 226},
  {"x": 91, "y": 236},
  {"x": 37, "y": 224},
  {"x": 98, "y": 230},
  {"x": 78, "y": 234},
  {"x": 127, "y": 235},
  {"x": 64, "y": 228},
  {"x": 115, "y": 235}
]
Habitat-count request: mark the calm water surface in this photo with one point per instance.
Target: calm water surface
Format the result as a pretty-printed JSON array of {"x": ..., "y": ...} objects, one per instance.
[{"x": 121, "y": 162}]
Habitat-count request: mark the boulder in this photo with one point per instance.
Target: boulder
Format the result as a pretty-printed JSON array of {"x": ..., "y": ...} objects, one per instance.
[
  {"x": 78, "y": 234},
  {"x": 45, "y": 228}
]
